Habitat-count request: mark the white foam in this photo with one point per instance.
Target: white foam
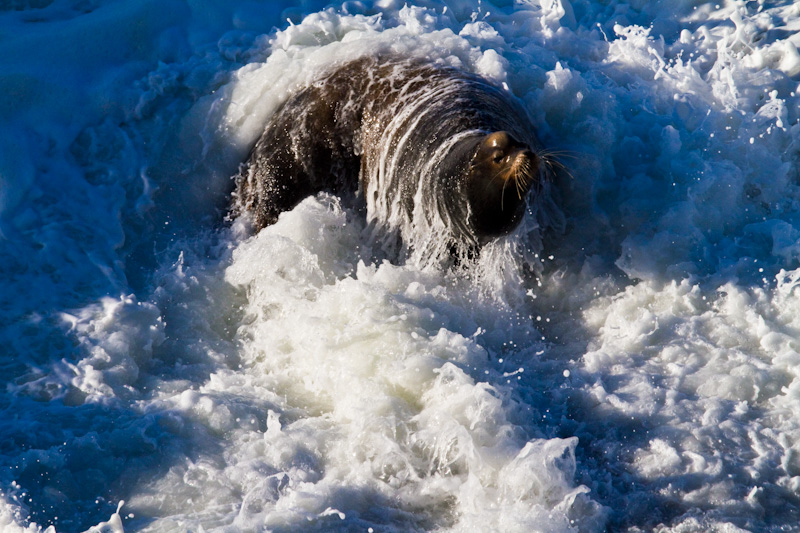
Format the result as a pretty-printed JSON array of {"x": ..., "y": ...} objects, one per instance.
[{"x": 645, "y": 377}]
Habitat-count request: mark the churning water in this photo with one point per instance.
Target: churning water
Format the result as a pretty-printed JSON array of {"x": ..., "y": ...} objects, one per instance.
[{"x": 634, "y": 365}]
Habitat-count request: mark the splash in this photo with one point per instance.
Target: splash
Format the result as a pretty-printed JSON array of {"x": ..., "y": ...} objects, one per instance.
[{"x": 629, "y": 365}]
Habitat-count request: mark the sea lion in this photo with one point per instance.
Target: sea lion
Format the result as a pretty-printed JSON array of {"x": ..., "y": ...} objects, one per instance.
[{"x": 441, "y": 158}]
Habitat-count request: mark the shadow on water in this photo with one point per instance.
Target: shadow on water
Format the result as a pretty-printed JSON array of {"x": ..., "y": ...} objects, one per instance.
[
  {"x": 609, "y": 442},
  {"x": 111, "y": 201},
  {"x": 68, "y": 463},
  {"x": 71, "y": 465},
  {"x": 372, "y": 511}
]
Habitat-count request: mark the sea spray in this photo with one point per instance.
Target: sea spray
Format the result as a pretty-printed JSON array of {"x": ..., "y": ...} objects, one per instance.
[{"x": 639, "y": 375}]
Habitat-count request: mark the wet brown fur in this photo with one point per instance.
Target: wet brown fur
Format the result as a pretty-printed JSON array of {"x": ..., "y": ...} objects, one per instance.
[{"x": 338, "y": 133}]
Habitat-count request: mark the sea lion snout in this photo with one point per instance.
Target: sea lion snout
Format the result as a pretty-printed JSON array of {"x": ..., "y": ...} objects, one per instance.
[
  {"x": 503, "y": 170},
  {"x": 524, "y": 169},
  {"x": 505, "y": 164}
]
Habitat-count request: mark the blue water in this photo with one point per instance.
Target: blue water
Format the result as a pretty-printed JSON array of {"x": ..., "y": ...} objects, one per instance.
[{"x": 625, "y": 361}]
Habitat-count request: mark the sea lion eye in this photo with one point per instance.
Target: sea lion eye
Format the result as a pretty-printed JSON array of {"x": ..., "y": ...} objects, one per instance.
[{"x": 497, "y": 156}]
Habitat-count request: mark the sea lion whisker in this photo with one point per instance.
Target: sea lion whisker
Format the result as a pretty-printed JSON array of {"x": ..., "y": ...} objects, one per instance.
[
  {"x": 519, "y": 181},
  {"x": 521, "y": 177},
  {"x": 525, "y": 169},
  {"x": 520, "y": 185},
  {"x": 491, "y": 180},
  {"x": 552, "y": 163},
  {"x": 559, "y": 153},
  {"x": 503, "y": 195},
  {"x": 556, "y": 166}
]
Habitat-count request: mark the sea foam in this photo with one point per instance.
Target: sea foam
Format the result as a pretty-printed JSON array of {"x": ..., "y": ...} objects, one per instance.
[{"x": 631, "y": 365}]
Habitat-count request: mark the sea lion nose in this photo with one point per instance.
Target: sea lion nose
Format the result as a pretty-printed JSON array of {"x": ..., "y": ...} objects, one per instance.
[
  {"x": 530, "y": 156},
  {"x": 524, "y": 170}
]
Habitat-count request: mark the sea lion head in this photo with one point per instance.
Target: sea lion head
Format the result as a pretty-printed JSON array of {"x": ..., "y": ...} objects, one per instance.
[{"x": 500, "y": 175}]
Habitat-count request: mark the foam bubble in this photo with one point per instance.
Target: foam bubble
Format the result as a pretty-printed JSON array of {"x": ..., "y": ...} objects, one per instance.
[{"x": 291, "y": 380}]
